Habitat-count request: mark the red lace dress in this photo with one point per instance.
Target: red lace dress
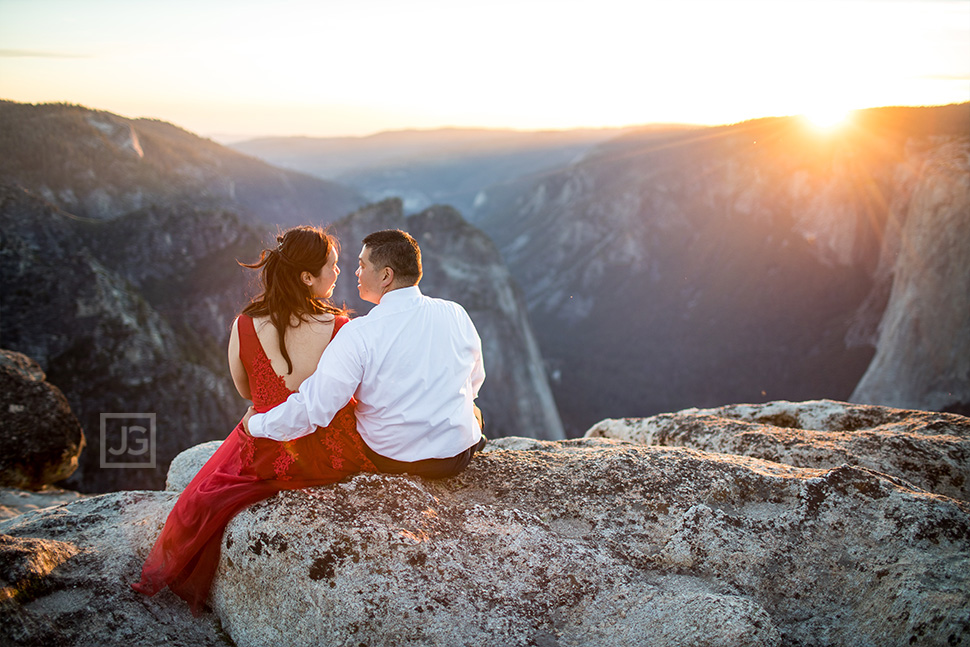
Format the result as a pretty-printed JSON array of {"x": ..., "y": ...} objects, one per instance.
[{"x": 242, "y": 471}]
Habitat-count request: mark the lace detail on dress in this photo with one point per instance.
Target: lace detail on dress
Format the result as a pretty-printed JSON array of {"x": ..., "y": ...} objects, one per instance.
[
  {"x": 248, "y": 449},
  {"x": 287, "y": 456},
  {"x": 269, "y": 387},
  {"x": 334, "y": 448}
]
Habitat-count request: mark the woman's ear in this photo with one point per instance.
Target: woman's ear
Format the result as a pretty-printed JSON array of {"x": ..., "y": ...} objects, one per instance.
[{"x": 307, "y": 278}]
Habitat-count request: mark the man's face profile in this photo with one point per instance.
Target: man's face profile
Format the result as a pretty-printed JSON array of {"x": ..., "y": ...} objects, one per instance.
[{"x": 369, "y": 278}]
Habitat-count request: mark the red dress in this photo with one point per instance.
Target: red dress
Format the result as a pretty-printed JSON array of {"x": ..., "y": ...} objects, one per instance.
[{"x": 241, "y": 472}]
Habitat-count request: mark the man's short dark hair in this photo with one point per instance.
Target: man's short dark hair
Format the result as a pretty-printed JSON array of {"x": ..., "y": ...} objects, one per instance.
[{"x": 397, "y": 250}]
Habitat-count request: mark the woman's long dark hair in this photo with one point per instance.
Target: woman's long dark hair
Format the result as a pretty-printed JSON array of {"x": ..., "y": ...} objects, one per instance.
[{"x": 284, "y": 295}]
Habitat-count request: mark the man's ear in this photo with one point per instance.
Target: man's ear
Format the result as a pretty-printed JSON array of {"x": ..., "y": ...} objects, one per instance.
[{"x": 387, "y": 278}]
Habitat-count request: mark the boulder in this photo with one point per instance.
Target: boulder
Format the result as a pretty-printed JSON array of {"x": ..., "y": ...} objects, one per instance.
[
  {"x": 600, "y": 542},
  {"x": 65, "y": 573},
  {"x": 186, "y": 465},
  {"x": 580, "y": 542},
  {"x": 40, "y": 438},
  {"x": 929, "y": 450},
  {"x": 414, "y": 570}
]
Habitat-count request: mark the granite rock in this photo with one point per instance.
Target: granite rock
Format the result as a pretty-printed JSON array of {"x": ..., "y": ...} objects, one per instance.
[
  {"x": 581, "y": 542},
  {"x": 40, "y": 438},
  {"x": 927, "y": 449},
  {"x": 594, "y": 541},
  {"x": 185, "y": 466},
  {"x": 65, "y": 573},
  {"x": 923, "y": 341}
]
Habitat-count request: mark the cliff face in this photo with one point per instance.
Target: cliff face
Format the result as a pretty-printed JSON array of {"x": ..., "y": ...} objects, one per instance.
[
  {"x": 461, "y": 264},
  {"x": 99, "y": 165},
  {"x": 923, "y": 345},
  {"x": 740, "y": 263},
  {"x": 127, "y": 317}
]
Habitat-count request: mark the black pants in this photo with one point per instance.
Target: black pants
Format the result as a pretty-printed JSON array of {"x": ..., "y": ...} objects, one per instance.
[{"x": 431, "y": 468}]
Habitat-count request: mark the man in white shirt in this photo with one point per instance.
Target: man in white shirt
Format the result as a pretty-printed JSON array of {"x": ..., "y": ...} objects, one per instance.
[{"x": 414, "y": 364}]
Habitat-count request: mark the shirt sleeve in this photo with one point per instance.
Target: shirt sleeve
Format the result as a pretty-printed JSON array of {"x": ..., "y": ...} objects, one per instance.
[
  {"x": 478, "y": 368},
  {"x": 320, "y": 397}
]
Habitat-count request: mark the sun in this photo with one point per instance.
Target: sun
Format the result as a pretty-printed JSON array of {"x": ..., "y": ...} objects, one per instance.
[{"x": 827, "y": 118}]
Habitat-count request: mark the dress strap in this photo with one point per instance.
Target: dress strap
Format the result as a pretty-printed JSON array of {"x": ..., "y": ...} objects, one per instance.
[
  {"x": 248, "y": 341},
  {"x": 338, "y": 322}
]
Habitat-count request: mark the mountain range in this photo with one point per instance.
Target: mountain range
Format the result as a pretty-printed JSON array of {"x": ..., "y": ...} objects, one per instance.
[
  {"x": 670, "y": 266},
  {"x": 661, "y": 267}
]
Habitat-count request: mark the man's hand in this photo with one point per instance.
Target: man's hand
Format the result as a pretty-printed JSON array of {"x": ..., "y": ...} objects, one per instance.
[{"x": 245, "y": 421}]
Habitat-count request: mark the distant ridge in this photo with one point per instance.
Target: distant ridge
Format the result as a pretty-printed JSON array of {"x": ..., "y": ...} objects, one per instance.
[
  {"x": 425, "y": 167},
  {"x": 100, "y": 165}
]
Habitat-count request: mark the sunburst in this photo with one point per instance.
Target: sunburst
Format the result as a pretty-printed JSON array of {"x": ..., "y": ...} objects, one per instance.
[{"x": 827, "y": 118}]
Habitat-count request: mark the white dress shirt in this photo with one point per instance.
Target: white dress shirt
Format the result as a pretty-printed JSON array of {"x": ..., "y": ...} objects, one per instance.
[{"x": 415, "y": 366}]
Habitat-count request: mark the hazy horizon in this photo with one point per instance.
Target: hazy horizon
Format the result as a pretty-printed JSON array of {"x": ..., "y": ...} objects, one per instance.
[{"x": 233, "y": 71}]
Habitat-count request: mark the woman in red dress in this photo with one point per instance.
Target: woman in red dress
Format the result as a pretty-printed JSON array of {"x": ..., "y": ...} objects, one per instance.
[{"x": 274, "y": 345}]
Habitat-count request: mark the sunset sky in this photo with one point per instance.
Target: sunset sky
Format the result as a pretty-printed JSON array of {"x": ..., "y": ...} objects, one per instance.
[{"x": 233, "y": 69}]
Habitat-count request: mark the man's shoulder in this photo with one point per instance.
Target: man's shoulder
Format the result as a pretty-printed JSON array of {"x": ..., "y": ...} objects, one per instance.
[
  {"x": 446, "y": 305},
  {"x": 438, "y": 301}
]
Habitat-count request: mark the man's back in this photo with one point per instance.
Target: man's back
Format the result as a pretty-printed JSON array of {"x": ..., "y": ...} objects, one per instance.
[{"x": 421, "y": 363}]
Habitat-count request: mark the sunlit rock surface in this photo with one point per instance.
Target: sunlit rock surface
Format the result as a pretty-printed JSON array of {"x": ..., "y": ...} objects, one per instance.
[
  {"x": 929, "y": 450},
  {"x": 596, "y": 542}
]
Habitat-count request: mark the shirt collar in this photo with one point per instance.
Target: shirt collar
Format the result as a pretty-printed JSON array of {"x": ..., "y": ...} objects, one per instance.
[{"x": 400, "y": 297}]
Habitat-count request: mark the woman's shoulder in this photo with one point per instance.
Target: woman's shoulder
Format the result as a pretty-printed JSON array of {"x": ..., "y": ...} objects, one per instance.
[{"x": 241, "y": 323}]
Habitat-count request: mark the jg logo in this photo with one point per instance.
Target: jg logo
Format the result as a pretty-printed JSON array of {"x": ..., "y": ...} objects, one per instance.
[{"x": 128, "y": 440}]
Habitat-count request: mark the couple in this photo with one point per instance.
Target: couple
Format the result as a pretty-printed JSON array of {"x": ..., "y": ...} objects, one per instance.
[{"x": 393, "y": 392}]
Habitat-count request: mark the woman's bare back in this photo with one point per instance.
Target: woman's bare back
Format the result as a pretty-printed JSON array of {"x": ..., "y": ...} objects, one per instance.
[{"x": 304, "y": 344}]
